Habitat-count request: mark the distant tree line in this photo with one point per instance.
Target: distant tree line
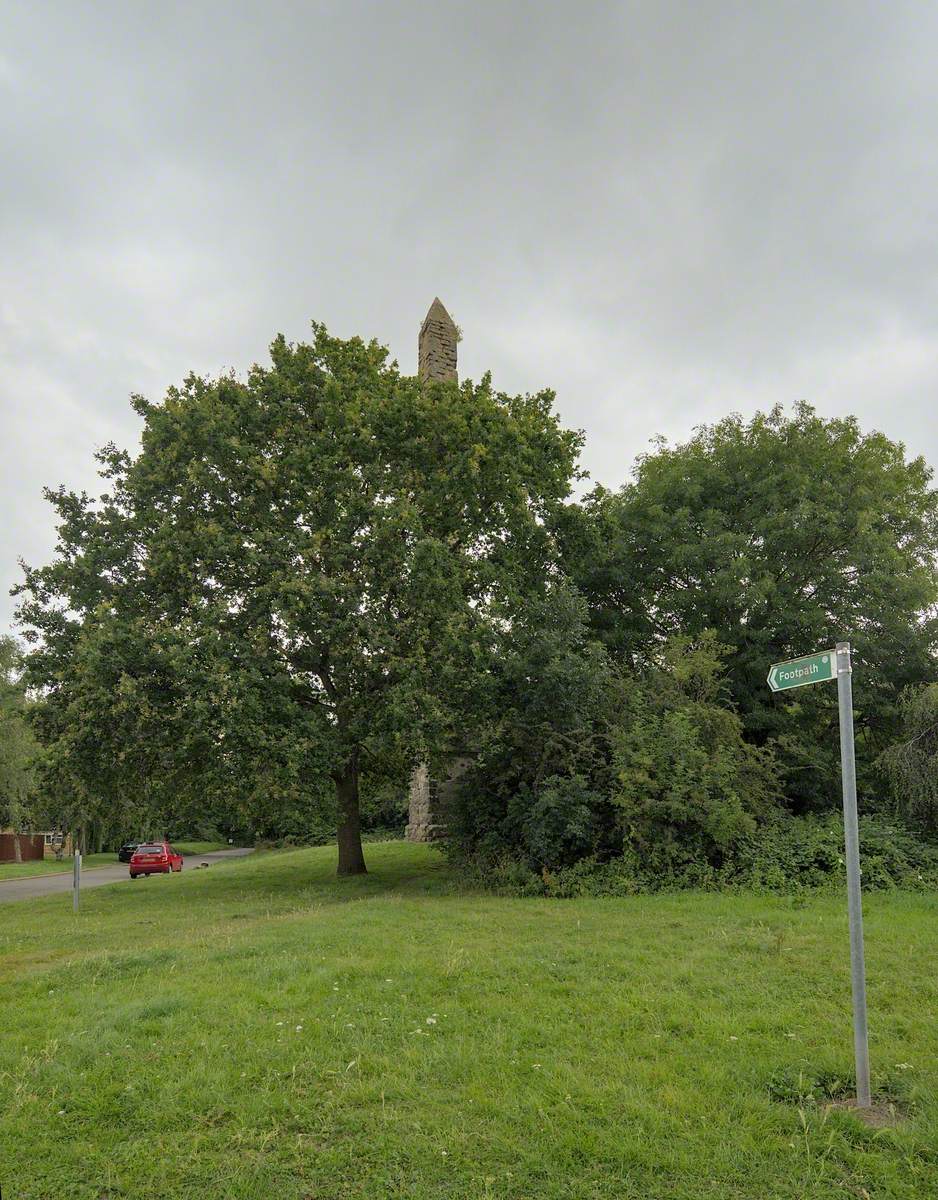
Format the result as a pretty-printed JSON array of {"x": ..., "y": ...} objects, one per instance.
[
  {"x": 311, "y": 579},
  {"x": 19, "y": 749}
]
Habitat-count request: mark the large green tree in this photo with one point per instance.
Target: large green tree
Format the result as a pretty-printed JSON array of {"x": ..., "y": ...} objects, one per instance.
[
  {"x": 782, "y": 534},
  {"x": 322, "y": 556}
]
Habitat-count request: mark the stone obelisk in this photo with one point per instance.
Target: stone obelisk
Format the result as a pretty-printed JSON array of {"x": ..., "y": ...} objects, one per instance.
[
  {"x": 436, "y": 360},
  {"x": 436, "y": 345}
]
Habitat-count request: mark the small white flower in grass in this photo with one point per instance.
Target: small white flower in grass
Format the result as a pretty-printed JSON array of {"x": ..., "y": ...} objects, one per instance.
[
  {"x": 904, "y": 1067},
  {"x": 733, "y": 1039},
  {"x": 790, "y": 1035},
  {"x": 445, "y": 1153},
  {"x": 536, "y": 1066},
  {"x": 61, "y": 1112},
  {"x": 280, "y": 1022},
  {"x": 389, "y": 981},
  {"x": 299, "y": 1029},
  {"x": 431, "y": 1020}
]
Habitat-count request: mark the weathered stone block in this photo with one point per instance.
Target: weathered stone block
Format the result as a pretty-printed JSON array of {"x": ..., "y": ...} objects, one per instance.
[{"x": 430, "y": 798}]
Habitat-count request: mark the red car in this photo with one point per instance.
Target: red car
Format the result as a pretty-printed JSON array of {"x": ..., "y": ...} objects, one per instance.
[{"x": 154, "y": 858}]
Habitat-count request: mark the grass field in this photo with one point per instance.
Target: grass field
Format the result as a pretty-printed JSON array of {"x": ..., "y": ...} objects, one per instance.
[
  {"x": 262, "y": 1030},
  {"x": 50, "y": 866}
]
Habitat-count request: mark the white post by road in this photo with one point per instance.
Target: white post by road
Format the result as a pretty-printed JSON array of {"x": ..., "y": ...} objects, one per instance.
[
  {"x": 848, "y": 772},
  {"x": 76, "y": 880}
]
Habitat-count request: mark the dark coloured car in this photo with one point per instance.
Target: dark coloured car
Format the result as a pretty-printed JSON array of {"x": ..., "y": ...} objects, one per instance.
[
  {"x": 154, "y": 858},
  {"x": 126, "y": 852}
]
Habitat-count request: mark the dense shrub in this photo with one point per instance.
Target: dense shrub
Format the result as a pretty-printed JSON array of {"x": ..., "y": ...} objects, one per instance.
[
  {"x": 540, "y": 789},
  {"x": 809, "y": 852},
  {"x": 689, "y": 787},
  {"x": 560, "y": 824},
  {"x": 786, "y": 854},
  {"x": 589, "y": 761}
]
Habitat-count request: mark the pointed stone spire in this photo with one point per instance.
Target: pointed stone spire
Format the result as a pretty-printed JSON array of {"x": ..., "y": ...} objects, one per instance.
[
  {"x": 429, "y": 797},
  {"x": 436, "y": 345}
]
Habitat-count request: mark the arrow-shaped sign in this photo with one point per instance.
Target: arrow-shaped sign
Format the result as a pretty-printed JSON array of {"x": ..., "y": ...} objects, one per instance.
[{"x": 799, "y": 672}]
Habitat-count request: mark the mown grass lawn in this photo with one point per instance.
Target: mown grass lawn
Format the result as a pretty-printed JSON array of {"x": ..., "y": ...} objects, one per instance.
[
  {"x": 263, "y": 1030},
  {"x": 52, "y": 866}
]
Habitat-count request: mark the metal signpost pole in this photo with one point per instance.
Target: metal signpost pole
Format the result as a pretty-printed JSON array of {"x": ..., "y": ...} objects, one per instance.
[
  {"x": 76, "y": 880},
  {"x": 801, "y": 672},
  {"x": 852, "y": 847}
]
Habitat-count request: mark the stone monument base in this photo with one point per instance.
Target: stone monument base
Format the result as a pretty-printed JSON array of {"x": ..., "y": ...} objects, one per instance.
[{"x": 429, "y": 800}]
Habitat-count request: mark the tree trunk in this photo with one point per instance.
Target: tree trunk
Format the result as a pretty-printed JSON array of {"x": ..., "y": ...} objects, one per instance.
[
  {"x": 351, "y": 855},
  {"x": 17, "y": 849}
]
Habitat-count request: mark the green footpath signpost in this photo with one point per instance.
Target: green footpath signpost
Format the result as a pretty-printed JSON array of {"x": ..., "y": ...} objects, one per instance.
[{"x": 822, "y": 668}]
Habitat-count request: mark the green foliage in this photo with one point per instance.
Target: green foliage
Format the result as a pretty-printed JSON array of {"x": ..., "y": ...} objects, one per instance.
[
  {"x": 541, "y": 784},
  {"x": 818, "y": 1085},
  {"x": 591, "y": 762},
  {"x": 689, "y": 786},
  {"x": 19, "y": 751},
  {"x": 783, "y": 854},
  {"x": 781, "y": 535},
  {"x": 912, "y": 764},
  {"x": 301, "y": 578},
  {"x": 560, "y": 825},
  {"x": 314, "y": 578},
  {"x": 809, "y": 852}
]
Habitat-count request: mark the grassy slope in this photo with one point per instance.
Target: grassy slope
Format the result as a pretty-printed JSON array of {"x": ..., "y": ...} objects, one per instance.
[
  {"x": 52, "y": 866},
  {"x": 193, "y": 848},
  {"x": 451, "y": 1045}
]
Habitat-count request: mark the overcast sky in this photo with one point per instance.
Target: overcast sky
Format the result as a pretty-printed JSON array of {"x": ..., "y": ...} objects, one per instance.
[{"x": 665, "y": 211}]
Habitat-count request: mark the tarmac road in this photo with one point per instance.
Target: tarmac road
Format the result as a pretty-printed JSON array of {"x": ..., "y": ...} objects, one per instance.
[{"x": 48, "y": 885}]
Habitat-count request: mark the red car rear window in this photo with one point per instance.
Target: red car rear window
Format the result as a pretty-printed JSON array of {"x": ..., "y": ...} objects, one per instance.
[{"x": 150, "y": 850}]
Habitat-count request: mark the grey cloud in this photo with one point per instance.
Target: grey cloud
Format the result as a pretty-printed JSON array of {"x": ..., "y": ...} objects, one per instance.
[{"x": 665, "y": 211}]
